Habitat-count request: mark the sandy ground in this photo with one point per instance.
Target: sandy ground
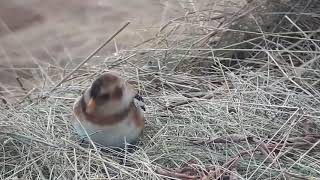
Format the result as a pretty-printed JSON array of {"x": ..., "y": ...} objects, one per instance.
[
  {"x": 59, "y": 32},
  {"x": 37, "y": 33}
]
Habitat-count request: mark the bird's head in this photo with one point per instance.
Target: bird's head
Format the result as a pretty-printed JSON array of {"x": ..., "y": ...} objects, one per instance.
[{"x": 107, "y": 92}]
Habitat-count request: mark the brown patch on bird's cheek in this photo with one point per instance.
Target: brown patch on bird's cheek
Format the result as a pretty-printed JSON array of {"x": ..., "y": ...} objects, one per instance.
[
  {"x": 91, "y": 106},
  {"x": 117, "y": 94}
]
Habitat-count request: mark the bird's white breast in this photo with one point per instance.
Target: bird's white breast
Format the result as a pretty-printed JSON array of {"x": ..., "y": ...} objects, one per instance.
[{"x": 113, "y": 135}]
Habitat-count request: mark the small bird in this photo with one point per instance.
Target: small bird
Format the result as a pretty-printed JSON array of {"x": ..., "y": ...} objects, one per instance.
[{"x": 110, "y": 111}]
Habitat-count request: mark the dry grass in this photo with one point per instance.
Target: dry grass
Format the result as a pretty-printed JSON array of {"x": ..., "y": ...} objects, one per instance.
[{"x": 252, "y": 118}]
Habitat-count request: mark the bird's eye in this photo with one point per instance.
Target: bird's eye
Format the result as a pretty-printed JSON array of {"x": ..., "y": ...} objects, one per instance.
[{"x": 105, "y": 96}]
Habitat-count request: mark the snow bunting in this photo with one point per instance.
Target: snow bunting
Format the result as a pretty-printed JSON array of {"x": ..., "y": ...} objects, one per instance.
[{"x": 110, "y": 111}]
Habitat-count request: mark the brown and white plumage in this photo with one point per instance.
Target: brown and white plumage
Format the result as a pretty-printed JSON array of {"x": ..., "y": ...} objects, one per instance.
[{"x": 109, "y": 112}]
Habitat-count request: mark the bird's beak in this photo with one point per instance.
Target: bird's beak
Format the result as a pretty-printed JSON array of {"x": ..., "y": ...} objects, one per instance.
[{"x": 91, "y": 106}]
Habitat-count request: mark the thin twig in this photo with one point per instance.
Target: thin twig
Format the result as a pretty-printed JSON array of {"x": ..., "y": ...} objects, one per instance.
[
  {"x": 27, "y": 96},
  {"x": 24, "y": 90},
  {"x": 90, "y": 56},
  {"x": 175, "y": 174}
]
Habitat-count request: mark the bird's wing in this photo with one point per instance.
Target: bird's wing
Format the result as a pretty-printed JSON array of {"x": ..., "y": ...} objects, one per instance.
[{"x": 139, "y": 102}]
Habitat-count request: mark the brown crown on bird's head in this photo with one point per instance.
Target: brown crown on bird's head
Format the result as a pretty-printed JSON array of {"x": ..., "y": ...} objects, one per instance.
[{"x": 106, "y": 88}]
